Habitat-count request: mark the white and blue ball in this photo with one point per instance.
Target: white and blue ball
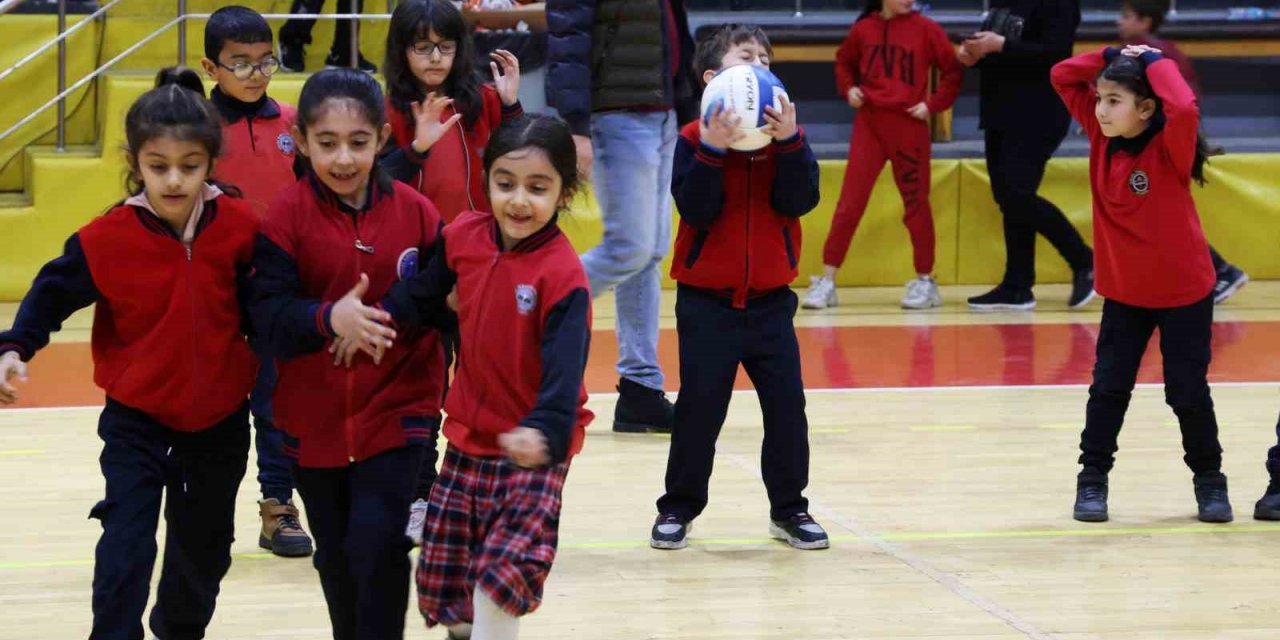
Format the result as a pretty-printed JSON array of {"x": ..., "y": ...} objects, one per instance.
[{"x": 744, "y": 90}]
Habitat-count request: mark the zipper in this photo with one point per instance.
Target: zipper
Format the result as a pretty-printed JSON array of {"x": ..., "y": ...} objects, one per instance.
[
  {"x": 195, "y": 319},
  {"x": 349, "y": 426},
  {"x": 466, "y": 156},
  {"x": 252, "y": 144},
  {"x": 884, "y": 51},
  {"x": 746, "y": 272}
]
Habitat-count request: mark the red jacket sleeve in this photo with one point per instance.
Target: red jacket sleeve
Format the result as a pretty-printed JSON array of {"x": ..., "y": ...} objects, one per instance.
[
  {"x": 950, "y": 73},
  {"x": 847, "y": 60},
  {"x": 1073, "y": 79},
  {"x": 1181, "y": 113}
]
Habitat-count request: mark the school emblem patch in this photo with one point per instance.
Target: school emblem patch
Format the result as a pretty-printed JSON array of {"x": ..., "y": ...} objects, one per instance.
[
  {"x": 526, "y": 298},
  {"x": 1139, "y": 183},
  {"x": 407, "y": 264},
  {"x": 284, "y": 142}
]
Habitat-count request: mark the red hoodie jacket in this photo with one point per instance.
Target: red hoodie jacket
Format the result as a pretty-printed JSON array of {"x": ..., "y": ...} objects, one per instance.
[
  {"x": 451, "y": 173},
  {"x": 167, "y": 329},
  {"x": 1149, "y": 249},
  {"x": 739, "y": 214},
  {"x": 524, "y": 317},
  {"x": 258, "y": 150},
  {"x": 890, "y": 61},
  {"x": 312, "y": 250}
]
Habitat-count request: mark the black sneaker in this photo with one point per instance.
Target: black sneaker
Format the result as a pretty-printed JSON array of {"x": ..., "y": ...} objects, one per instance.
[
  {"x": 641, "y": 409},
  {"x": 1091, "y": 496},
  {"x": 800, "y": 531},
  {"x": 1211, "y": 497},
  {"x": 1003, "y": 298},
  {"x": 1268, "y": 507},
  {"x": 669, "y": 532},
  {"x": 1081, "y": 289},
  {"x": 293, "y": 57},
  {"x": 336, "y": 59},
  {"x": 1229, "y": 282}
]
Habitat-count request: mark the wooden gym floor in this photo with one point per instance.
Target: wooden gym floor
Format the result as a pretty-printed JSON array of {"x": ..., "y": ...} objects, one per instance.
[{"x": 944, "y": 449}]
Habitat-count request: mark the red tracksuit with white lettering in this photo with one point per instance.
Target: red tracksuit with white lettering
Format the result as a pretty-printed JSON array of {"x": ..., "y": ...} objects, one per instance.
[{"x": 890, "y": 61}]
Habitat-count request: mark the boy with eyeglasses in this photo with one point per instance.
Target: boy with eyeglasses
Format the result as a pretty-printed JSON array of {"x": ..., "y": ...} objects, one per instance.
[{"x": 258, "y": 158}]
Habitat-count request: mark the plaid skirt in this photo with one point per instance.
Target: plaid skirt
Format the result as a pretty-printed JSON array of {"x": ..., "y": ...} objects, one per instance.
[{"x": 490, "y": 525}]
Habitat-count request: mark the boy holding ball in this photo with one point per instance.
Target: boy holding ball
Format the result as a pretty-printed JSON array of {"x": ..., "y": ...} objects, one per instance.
[{"x": 735, "y": 257}]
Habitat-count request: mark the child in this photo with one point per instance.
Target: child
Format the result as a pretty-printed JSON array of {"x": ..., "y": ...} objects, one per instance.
[
  {"x": 735, "y": 256},
  {"x": 877, "y": 72},
  {"x": 433, "y": 86},
  {"x": 258, "y": 158},
  {"x": 359, "y": 433},
  {"x": 1151, "y": 260},
  {"x": 166, "y": 268},
  {"x": 517, "y": 409},
  {"x": 1139, "y": 22}
]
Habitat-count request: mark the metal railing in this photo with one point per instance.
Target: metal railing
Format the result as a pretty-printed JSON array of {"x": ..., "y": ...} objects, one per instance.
[{"x": 180, "y": 21}]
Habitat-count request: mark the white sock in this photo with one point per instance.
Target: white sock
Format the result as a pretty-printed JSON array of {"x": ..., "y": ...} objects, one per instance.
[
  {"x": 490, "y": 622},
  {"x": 460, "y": 631}
]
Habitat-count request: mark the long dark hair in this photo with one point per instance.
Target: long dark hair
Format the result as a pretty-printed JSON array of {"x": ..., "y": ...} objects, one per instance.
[
  {"x": 414, "y": 20},
  {"x": 176, "y": 107},
  {"x": 1131, "y": 73},
  {"x": 549, "y": 134}
]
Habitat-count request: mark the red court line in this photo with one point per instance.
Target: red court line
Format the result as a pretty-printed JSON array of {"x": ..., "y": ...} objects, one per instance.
[{"x": 841, "y": 357}]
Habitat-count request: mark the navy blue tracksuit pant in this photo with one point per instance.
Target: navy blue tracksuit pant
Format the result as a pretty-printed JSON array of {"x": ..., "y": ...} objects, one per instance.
[
  {"x": 714, "y": 339},
  {"x": 199, "y": 474},
  {"x": 358, "y": 514}
]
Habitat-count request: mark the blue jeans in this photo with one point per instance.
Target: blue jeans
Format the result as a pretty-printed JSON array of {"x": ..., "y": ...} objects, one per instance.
[
  {"x": 275, "y": 477},
  {"x": 632, "y": 182}
]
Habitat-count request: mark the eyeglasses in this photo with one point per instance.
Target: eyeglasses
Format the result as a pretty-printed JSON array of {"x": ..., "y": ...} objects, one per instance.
[
  {"x": 243, "y": 70},
  {"x": 425, "y": 48}
]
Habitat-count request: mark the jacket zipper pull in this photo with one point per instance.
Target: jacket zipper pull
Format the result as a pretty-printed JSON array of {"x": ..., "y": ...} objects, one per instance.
[
  {"x": 188, "y": 248},
  {"x": 361, "y": 246}
]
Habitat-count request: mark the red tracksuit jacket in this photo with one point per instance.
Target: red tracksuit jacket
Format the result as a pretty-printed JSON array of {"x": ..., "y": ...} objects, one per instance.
[
  {"x": 310, "y": 253},
  {"x": 890, "y": 60},
  {"x": 1149, "y": 249},
  {"x": 451, "y": 173},
  {"x": 739, "y": 214},
  {"x": 258, "y": 151},
  {"x": 167, "y": 329},
  {"x": 524, "y": 317}
]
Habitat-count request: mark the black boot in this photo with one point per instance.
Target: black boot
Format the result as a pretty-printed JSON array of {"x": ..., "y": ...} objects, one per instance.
[
  {"x": 1091, "y": 496},
  {"x": 1268, "y": 507},
  {"x": 1211, "y": 497},
  {"x": 641, "y": 409}
]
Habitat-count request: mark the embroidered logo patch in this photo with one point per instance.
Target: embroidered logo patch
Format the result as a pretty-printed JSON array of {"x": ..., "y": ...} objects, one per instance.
[
  {"x": 526, "y": 298},
  {"x": 1139, "y": 183},
  {"x": 284, "y": 142},
  {"x": 407, "y": 264}
]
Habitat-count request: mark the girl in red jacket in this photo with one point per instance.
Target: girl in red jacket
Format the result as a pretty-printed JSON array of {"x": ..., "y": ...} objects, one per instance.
[
  {"x": 361, "y": 432},
  {"x": 882, "y": 70},
  {"x": 433, "y": 86},
  {"x": 1150, "y": 258},
  {"x": 166, "y": 268},
  {"x": 517, "y": 411}
]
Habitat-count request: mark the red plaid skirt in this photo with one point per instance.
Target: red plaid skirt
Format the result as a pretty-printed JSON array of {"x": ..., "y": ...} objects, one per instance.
[{"x": 490, "y": 525}]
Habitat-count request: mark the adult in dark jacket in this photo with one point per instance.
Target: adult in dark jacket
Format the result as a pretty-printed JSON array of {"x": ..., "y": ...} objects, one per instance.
[
  {"x": 618, "y": 72},
  {"x": 1024, "y": 122}
]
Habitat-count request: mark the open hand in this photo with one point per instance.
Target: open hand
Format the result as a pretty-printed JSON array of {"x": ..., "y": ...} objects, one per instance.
[
  {"x": 428, "y": 129},
  {"x": 526, "y": 447},
  {"x": 781, "y": 122},
  {"x": 362, "y": 324},
  {"x": 919, "y": 111},
  {"x": 506, "y": 75},
  {"x": 1136, "y": 50},
  {"x": 721, "y": 130},
  {"x": 983, "y": 43}
]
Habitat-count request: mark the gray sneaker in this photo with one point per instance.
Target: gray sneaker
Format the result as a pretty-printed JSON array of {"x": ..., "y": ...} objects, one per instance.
[
  {"x": 922, "y": 293},
  {"x": 821, "y": 293}
]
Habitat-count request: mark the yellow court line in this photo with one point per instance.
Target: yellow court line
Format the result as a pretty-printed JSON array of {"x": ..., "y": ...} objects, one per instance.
[{"x": 908, "y": 536}]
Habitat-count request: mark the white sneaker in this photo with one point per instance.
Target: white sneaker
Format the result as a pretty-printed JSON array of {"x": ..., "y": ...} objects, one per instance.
[
  {"x": 922, "y": 293},
  {"x": 417, "y": 521},
  {"x": 821, "y": 293}
]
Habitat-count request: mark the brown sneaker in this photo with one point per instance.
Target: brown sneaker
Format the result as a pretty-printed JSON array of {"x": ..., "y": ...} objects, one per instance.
[{"x": 282, "y": 533}]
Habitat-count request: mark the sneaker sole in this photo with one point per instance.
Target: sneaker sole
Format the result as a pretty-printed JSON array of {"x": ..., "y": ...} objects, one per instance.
[
  {"x": 815, "y": 307},
  {"x": 634, "y": 427},
  {"x": 285, "y": 551},
  {"x": 1216, "y": 519},
  {"x": 1090, "y": 516},
  {"x": 1231, "y": 290},
  {"x": 932, "y": 304},
  {"x": 778, "y": 533},
  {"x": 1026, "y": 306},
  {"x": 1093, "y": 293},
  {"x": 1260, "y": 513},
  {"x": 668, "y": 545}
]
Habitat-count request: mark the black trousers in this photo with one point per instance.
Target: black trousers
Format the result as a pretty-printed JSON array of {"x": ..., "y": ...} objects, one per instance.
[
  {"x": 298, "y": 31},
  {"x": 357, "y": 515},
  {"x": 1016, "y": 162},
  {"x": 714, "y": 339},
  {"x": 199, "y": 474},
  {"x": 1185, "y": 335}
]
